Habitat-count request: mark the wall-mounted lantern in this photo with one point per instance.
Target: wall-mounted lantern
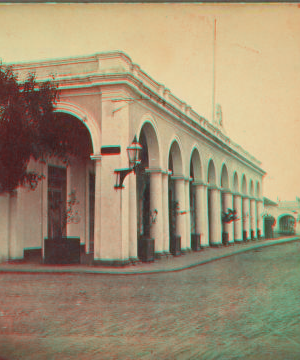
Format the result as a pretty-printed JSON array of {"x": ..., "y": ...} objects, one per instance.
[{"x": 133, "y": 152}]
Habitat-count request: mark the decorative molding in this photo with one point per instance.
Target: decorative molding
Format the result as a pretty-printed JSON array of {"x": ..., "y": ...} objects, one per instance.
[{"x": 96, "y": 157}]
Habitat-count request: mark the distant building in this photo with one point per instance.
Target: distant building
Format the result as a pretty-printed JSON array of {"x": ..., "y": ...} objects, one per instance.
[
  {"x": 281, "y": 218},
  {"x": 187, "y": 163}
]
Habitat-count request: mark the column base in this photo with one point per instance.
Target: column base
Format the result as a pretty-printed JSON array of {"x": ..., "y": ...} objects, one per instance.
[
  {"x": 159, "y": 255},
  {"x": 112, "y": 262},
  {"x": 168, "y": 255},
  {"x": 135, "y": 261},
  {"x": 218, "y": 245},
  {"x": 239, "y": 241},
  {"x": 186, "y": 251}
]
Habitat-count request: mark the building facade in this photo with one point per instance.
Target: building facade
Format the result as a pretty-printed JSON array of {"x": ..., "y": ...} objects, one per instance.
[
  {"x": 281, "y": 218},
  {"x": 187, "y": 164}
]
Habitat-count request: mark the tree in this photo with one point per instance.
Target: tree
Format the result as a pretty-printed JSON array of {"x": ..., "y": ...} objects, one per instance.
[
  {"x": 229, "y": 216},
  {"x": 30, "y": 129},
  {"x": 26, "y": 109}
]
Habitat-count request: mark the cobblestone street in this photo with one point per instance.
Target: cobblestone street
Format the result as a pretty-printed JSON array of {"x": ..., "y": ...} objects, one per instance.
[{"x": 241, "y": 307}]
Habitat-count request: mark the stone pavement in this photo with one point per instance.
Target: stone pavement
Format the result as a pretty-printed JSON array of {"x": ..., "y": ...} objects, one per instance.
[{"x": 168, "y": 264}]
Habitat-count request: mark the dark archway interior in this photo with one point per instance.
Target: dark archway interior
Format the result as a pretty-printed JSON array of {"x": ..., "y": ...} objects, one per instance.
[
  {"x": 192, "y": 201},
  {"x": 287, "y": 225},
  {"x": 172, "y": 200},
  {"x": 71, "y": 136},
  {"x": 143, "y": 191},
  {"x": 269, "y": 223}
]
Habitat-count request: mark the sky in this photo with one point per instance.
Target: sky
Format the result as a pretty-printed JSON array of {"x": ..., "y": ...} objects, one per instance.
[{"x": 257, "y": 63}]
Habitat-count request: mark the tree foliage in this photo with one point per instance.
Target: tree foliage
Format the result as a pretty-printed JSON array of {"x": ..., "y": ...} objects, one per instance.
[
  {"x": 26, "y": 115},
  {"x": 30, "y": 129},
  {"x": 229, "y": 216},
  {"x": 26, "y": 110}
]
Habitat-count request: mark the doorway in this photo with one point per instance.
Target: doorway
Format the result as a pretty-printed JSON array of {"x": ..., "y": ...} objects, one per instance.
[{"x": 57, "y": 188}]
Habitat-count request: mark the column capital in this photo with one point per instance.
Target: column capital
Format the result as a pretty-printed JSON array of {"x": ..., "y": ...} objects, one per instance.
[
  {"x": 96, "y": 157},
  {"x": 226, "y": 191},
  {"x": 213, "y": 187},
  {"x": 237, "y": 194},
  {"x": 166, "y": 172},
  {"x": 153, "y": 170},
  {"x": 246, "y": 196},
  {"x": 177, "y": 177},
  {"x": 199, "y": 183}
]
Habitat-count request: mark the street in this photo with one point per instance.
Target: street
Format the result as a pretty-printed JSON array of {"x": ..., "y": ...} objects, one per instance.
[{"x": 241, "y": 307}]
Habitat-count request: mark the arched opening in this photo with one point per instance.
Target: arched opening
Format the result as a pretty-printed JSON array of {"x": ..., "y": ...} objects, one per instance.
[
  {"x": 244, "y": 185},
  {"x": 70, "y": 191},
  {"x": 245, "y": 210},
  {"x": 211, "y": 179},
  {"x": 257, "y": 190},
  {"x": 149, "y": 159},
  {"x": 226, "y": 203},
  {"x": 235, "y": 183},
  {"x": 269, "y": 224},
  {"x": 176, "y": 199},
  {"x": 251, "y": 188},
  {"x": 143, "y": 195},
  {"x": 237, "y": 207},
  {"x": 195, "y": 176},
  {"x": 287, "y": 225}
]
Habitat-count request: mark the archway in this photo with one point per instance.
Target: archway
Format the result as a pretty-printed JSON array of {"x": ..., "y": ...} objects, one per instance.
[
  {"x": 176, "y": 200},
  {"x": 70, "y": 190},
  {"x": 212, "y": 208},
  {"x": 237, "y": 203},
  {"x": 251, "y": 188},
  {"x": 226, "y": 205},
  {"x": 287, "y": 225},
  {"x": 195, "y": 199},
  {"x": 257, "y": 190},
  {"x": 145, "y": 188},
  {"x": 269, "y": 224},
  {"x": 245, "y": 210},
  {"x": 235, "y": 183}
]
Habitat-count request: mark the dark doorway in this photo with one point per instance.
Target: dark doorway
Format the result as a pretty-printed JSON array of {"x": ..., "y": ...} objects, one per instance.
[
  {"x": 269, "y": 223},
  {"x": 91, "y": 211},
  {"x": 57, "y": 187},
  {"x": 143, "y": 196}
]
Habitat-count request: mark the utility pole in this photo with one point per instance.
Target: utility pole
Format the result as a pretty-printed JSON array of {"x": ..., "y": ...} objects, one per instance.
[{"x": 214, "y": 70}]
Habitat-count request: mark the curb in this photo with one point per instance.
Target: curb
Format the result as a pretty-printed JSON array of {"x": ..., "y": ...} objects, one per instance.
[{"x": 86, "y": 271}]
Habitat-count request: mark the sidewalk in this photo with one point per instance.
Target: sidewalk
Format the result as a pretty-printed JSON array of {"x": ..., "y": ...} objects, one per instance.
[{"x": 182, "y": 262}]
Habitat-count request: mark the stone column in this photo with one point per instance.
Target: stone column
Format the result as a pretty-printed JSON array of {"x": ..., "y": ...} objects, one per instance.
[
  {"x": 165, "y": 207},
  {"x": 260, "y": 220},
  {"x": 253, "y": 218},
  {"x": 215, "y": 227},
  {"x": 132, "y": 219},
  {"x": 227, "y": 204},
  {"x": 97, "y": 228},
  {"x": 238, "y": 225},
  {"x": 201, "y": 213},
  {"x": 4, "y": 226},
  {"x": 246, "y": 216},
  {"x": 180, "y": 218},
  {"x": 156, "y": 229},
  {"x": 188, "y": 215},
  {"x": 16, "y": 224}
]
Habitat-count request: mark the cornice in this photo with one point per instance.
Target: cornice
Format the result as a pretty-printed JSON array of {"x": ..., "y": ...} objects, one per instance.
[
  {"x": 132, "y": 82},
  {"x": 131, "y": 75}
]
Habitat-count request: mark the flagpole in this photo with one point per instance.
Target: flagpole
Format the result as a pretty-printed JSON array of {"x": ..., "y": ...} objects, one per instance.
[{"x": 214, "y": 75}]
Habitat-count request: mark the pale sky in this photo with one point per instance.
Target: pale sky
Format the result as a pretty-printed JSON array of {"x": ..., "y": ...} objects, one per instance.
[{"x": 257, "y": 63}]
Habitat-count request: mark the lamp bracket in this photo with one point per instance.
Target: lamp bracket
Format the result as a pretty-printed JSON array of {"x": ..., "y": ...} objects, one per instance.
[{"x": 121, "y": 175}]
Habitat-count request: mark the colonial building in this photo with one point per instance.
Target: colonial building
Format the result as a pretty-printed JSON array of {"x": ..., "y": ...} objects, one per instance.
[
  {"x": 281, "y": 218},
  {"x": 190, "y": 170}
]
